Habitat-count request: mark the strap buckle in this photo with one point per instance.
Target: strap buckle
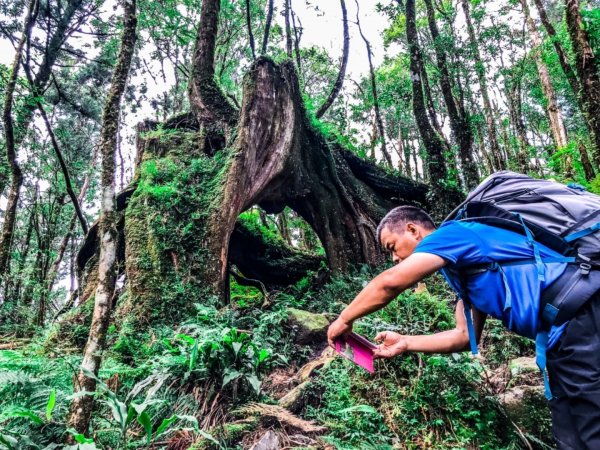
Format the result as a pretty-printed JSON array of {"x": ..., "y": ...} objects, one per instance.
[{"x": 585, "y": 268}]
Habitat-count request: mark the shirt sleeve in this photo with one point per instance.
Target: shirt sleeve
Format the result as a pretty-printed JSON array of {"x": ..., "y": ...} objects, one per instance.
[{"x": 453, "y": 242}]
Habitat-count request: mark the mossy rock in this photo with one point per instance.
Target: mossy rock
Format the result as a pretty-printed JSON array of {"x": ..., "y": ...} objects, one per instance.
[{"x": 307, "y": 327}]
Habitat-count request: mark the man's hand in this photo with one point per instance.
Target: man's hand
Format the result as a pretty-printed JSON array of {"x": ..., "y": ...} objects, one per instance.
[
  {"x": 392, "y": 344},
  {"x": 338, "y": 328}
]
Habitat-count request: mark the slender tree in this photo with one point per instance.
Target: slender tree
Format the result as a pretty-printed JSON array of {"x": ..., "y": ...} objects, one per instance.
[
  {"x": 249, "y": 26},
  {"x": 436, "y": 165},
  {"x": 288, "y": 29},
  {"x": 499, "y": 162},
  {"x": 337, "y": 86},
  {"x": 559, "y": 133},
  {"x": 207, "y": 101},
  {"x": 268, "y": 21},
  {"x": 10, "y": 143},
  {"x": 457, "y": 114},
  {"x": 574, "y": 82},
  {"x": 81, "y": 408},
  {"x": 378, "y": 118},
  {"x": 586, "y": 63}
]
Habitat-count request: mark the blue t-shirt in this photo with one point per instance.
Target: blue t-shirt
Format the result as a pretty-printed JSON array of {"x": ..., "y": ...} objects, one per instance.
[{"x": 464, "y": 244}]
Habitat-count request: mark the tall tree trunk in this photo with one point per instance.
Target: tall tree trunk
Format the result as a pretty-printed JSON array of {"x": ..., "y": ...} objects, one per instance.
[
  {"x": 297, "y": 37},
  {"x": 69, "y": 236},
  {"x": 437, "y": 171},
  {"x": 206, "y": 99},
  {"x": 588, "y": 169},
  {"x": 268, "y": 21},
  {"x": 65, "y": 171},
  {"x": 562, "y": 56},
  {"x": 10, "y": 214},
  {"x": 337, "y": 86},
  {"x": 574, "y": 82},
  {"x": 288, "y": 29},
  {"x": 587, "y": 67},
  {"x": 378, "y": 118},
  {"x": 513, "y": 96},
  {"x": 459, "y": 120},
  {"x": 499, "y": 162},
  {"x": 81, "y": 408},
  {"x": 559, "y": 133},
  {"x": 249, "y": 26}
]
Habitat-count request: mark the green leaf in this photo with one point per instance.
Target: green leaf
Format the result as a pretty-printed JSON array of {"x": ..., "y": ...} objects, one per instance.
[
  {"x": 262, "y": 355},
  {"x": 254, "y": 382},
  {"x": 236, "y": 347},
  {"x": 79, "y": 438},
  {"x": 9, "y": 441},
  {"x": 164, "y": 424},
  {"x": 230, "y": 376},
  {"x": 50, "y": 405},
  {"x": 27, "y": 414},
  {"x": 359, "y": 408},
  {"x": 184, "y": 337},
  {"x": 146, "y": 422},
  {"x": 119, "y": 410},
  {"x": 193, "y": 356}
]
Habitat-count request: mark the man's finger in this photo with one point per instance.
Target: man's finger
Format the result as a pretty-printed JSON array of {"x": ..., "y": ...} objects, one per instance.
[{"x": 381, "y": 336}]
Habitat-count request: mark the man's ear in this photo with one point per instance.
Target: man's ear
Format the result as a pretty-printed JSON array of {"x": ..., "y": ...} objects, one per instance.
[{"x": 412, "y": 229}]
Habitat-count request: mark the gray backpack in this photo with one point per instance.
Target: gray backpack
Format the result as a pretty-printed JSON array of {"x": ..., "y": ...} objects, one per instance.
[{"x": 563, "y": 218}]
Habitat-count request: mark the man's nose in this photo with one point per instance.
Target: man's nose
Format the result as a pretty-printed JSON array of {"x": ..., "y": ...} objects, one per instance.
[{"x": 396, "y": 259}]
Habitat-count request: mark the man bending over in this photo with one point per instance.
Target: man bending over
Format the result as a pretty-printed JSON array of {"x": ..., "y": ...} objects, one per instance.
[{"x": 509, "y": 293}]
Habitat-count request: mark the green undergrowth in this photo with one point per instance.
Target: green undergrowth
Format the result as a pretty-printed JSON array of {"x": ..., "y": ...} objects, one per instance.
[{"x": 173, "y": 379}]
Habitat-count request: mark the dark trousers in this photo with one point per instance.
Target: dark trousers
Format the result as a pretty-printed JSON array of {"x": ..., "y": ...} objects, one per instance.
[{"x": 574, "y": 372}]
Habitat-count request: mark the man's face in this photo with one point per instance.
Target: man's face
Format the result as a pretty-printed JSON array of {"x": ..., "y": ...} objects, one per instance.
[{"x": 400, "y": 243}]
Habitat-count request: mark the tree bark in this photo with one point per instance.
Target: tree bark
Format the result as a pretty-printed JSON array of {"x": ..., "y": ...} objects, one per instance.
[
  {"x": 206, "y": 99},
  {"x": 559, "y": 133},
  {"x": 437, "y": 170},
  {"x": 459, "y": 120},
  {"x": 65, "y": 171},
  {"x": 378, "y": 118},
  {"x": 10, "y": 214},
  {"x": 297, "y": 37},
  {"x": 267, "y": 27},
  {"x": 588, "y": 169},
  {"x": 337, "y": 86},
  {"x": 587, "y": 67},
  {"x": 288, "y": 30},
  {"x": 499, "y": 162},
  {"x": 81, "y": 408},
  {"x": 249, "y": 25}
]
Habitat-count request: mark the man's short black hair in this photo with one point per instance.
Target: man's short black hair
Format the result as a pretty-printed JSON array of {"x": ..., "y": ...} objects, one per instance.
[{"x": 401, "y": 215}]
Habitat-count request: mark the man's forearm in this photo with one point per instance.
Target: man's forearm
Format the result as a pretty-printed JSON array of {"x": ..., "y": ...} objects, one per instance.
[
  {"x": 372, "y": 298},
  {"x": 444, "y": 342}
]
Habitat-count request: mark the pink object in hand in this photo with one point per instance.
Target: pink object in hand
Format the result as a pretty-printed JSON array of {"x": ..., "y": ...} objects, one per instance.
[{"x": 357, "y": 349}]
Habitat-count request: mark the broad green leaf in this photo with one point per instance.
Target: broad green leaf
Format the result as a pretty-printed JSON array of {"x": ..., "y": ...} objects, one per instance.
[
  {"x": 262, "y": 355},
  {"x": 236, "y": 347},
  {"x": 184, "y": 337},
  {"x": 119, "y": 411},
  {"x": 146, "y": 422},
  {"x": 9, "y": 441},
  {"x": 254, "y": 382},
  {"x": 79, "y": 438},
  {"x": 230, "y": 376},
  {"x": 50, "y": 405},
  {"x": 164, "y": 424}
]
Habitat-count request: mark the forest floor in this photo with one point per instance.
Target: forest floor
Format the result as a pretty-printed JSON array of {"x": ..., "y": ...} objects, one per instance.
[{"x": 257, "y": 374}]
